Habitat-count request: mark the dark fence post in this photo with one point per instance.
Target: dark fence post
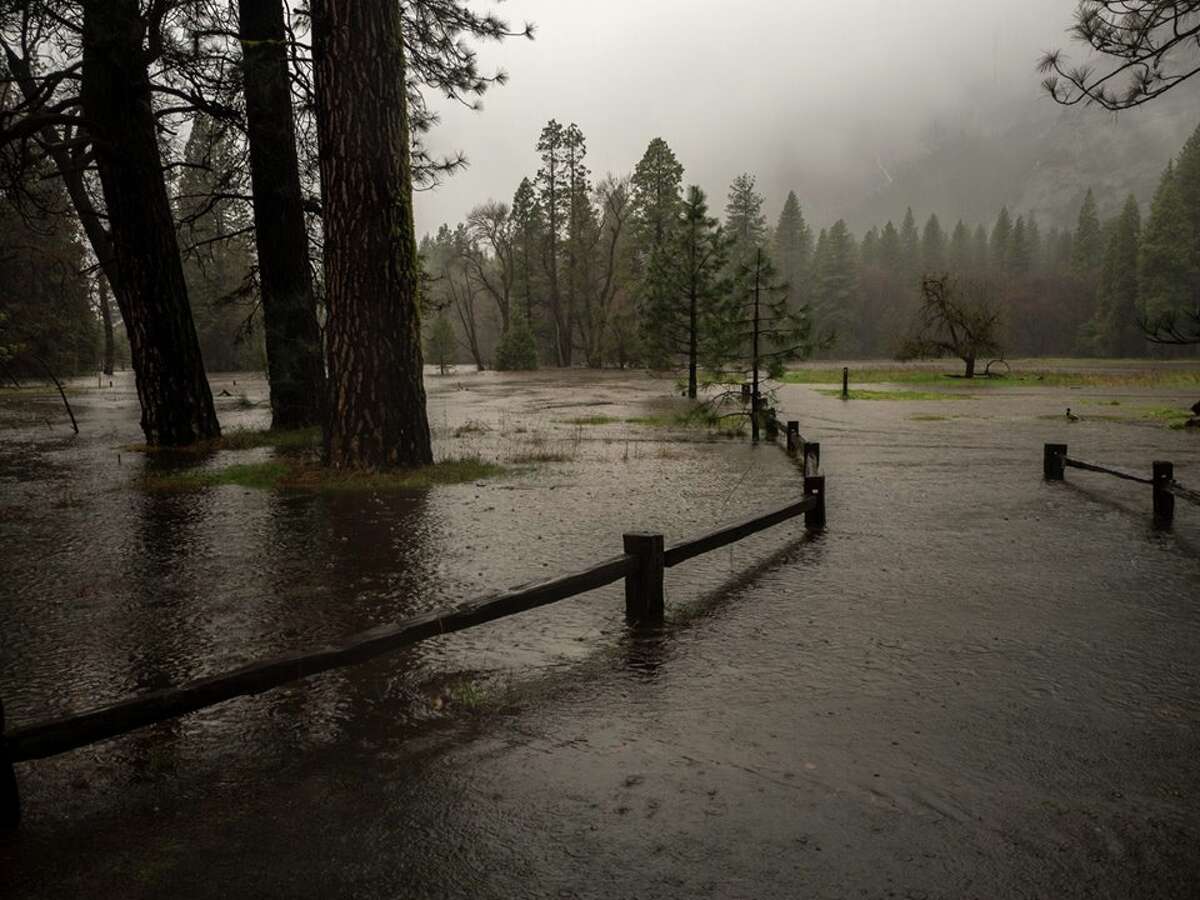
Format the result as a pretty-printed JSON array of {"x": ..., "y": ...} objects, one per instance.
[
  {"x": 1164, "y": 500},
  {"x": 1052, "y": 461},
  {"x": 10, "y": 800},
  {"x": 644, "y": 586},
  {"x": 814, "y": 486},
  {"x": 812, "y": 458},
  {"x": 845, "y": 382},
  {"x": 793, "y": 438}
]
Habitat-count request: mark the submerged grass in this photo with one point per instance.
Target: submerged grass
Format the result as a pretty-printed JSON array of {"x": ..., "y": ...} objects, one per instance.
[
  {"x": 286, "y": 441},
  {"x": 592, "y": 420},
  {"x": 858, "y": 394},
  {"x": 308, "y": 476},
  {"x": 1132, "y": 376},
  {"x": 699, "y": 417}
]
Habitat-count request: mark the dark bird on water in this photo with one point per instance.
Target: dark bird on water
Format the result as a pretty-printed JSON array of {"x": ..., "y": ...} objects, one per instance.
[{"x": 1071, "y": 417}]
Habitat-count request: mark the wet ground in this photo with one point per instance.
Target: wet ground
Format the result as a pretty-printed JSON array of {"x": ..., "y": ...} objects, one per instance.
[{"x": 973, "y": 684}]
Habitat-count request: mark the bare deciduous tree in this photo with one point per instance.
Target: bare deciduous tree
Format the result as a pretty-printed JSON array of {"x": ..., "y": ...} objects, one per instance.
[{"x": 955, "y": 319}]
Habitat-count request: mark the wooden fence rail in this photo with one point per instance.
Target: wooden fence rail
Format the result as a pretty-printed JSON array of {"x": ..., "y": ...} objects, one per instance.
[
  {"x": 641, "y": 566},
  {"x": 1161, "y": 479}
]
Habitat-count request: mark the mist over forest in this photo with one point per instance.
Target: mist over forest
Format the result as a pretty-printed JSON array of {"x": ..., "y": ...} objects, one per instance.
[{"x": 844, "y": 104}]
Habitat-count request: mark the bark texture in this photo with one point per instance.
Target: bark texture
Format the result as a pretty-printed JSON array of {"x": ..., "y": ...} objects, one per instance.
[
  {"x": 293, "y": 337},
  {"x": 177, "y": 406},
  {"x": 376, "y": 414}
]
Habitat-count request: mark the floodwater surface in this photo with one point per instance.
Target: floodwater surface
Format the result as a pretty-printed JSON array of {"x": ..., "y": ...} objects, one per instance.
[{"x": 972, "y": 684}]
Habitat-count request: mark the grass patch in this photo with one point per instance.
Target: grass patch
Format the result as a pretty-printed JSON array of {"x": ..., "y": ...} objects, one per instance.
[
  {"x": 858, "y": 394},
  {"x": 1148, "y": 376},
  {"x": 472, "y": 427},
  {"x": 540, "y": 456},
  {"x": 277, "y": 475},
  {"x": 700, "y": 417},
  {"x": 592, "y": 420}
]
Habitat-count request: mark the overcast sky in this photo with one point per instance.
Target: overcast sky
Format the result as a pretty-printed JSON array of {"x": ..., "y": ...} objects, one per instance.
[{"x": 798, "y": 92}]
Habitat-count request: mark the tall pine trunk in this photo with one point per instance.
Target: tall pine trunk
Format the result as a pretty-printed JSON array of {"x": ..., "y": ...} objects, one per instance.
[
  {"x": 293, "y": 337},
  {"x": 110, "y": 347},
  {"x": 376, "y": 416},
  {"x": 177, "y": 405}
]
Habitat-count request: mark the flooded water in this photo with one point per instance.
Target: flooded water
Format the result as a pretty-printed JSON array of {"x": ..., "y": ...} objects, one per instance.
[{"x": 972, "y": 684}]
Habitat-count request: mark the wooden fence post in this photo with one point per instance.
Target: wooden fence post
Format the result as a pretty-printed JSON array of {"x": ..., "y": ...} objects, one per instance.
[
  {"x": 793, "y": 438},
  {"x": 812, "y": 458},
  {"x": 814, "y": 486},
  {"x": 644, "y": 586},
  {"x": 1052, "y": 461},
  {"x": 10, "y": 800},
  {"x": 1164, "y": 500},
  {"x": 845, "y": 382}
]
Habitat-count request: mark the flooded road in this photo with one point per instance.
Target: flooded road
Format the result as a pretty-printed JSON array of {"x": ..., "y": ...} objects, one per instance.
[{"x": 974, "y": 684}]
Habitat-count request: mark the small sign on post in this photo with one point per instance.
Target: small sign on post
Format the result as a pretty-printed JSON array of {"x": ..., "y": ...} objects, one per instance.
[{"x": 814, "y": 486}]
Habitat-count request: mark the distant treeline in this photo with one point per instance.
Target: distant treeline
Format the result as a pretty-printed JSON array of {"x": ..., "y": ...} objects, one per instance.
[{"x": 582, "y": 268}]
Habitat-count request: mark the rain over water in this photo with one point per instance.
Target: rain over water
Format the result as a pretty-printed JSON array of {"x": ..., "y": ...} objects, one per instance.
[{"x": 972, "y": 683}]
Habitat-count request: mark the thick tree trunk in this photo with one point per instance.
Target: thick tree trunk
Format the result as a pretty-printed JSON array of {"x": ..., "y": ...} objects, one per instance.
[
  {"x": 177, "y": 406},
  {"x": 970, "y": 363},
  {"x": 110, "y": 347},
  {"x": 293, "y": 337},
  {"x": 376, "y": 416}
]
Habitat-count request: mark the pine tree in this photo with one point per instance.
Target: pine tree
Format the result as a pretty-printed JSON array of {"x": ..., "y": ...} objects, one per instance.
[
  {"x": 961, "y": 259},
  {"x": 681, "y": 321},
  {"x": 528, "y": 235},
  {"x": 656, "y": 187},
  {"x": 910, "y": 251},
  {"x": 1020, "y": 254},
  {"x": 1166, "y": 271},
  {"x": 554, "y": 206},
  {"x": 933, "y": 247},
  {"x": 999, "y": 244},
  {"x": 980, "y": 254},
  {"x": 745, "y": 224},
  {"x": 889, "y": 250},
  {"x": 516, "y": 351},
  {"x": 838, "y": 282},
  {"x": 1088, "y": 249},
  {"x": 582, "y": 228},
  {"x": 1033, "y": 237},
  {"x": 792, "y": 249},
  {"x": 440, "y": 343},
  {"x": 1187, "y": 174},
  {"x": 869, "y": 251},
  {"x": 1113, "y": 330},
  {"x": 758, "y": 334}
]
